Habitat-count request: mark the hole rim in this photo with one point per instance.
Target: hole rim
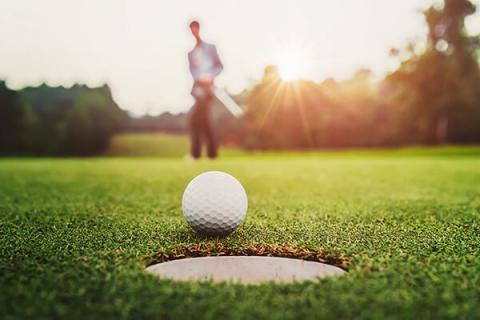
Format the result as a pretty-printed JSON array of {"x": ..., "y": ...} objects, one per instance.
[{"x": 185, "y": 251}]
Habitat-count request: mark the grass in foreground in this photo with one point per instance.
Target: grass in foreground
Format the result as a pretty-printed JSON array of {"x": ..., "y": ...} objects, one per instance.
[{"x": 75, "y": 236}]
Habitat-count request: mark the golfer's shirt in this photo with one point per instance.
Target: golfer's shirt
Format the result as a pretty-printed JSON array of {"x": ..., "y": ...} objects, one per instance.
[{"x": 204, "y": 61}]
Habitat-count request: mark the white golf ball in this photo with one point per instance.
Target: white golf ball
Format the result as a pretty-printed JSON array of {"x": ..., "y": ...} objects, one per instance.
[{"x": 214, "y": 203}]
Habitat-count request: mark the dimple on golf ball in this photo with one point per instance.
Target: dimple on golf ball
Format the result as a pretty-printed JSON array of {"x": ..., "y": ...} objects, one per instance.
[{"x": 214, "y": 203}]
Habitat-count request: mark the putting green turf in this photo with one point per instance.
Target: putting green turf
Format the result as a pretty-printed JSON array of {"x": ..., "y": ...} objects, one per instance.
[{"x": 75, "y": 236}]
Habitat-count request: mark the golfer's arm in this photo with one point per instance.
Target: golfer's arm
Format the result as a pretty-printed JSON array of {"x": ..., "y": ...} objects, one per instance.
[{"x": 217, "y": 63}]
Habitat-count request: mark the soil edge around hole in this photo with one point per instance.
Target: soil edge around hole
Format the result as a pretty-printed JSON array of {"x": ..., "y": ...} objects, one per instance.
[{"x": 207, "y": 250}]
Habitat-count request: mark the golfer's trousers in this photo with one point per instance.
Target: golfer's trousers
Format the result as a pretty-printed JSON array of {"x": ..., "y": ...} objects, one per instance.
[{"x": 201, "y": 128}]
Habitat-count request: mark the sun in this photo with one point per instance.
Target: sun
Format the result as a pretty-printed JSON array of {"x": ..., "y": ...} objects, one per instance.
[{"x": 292, "y": 64}]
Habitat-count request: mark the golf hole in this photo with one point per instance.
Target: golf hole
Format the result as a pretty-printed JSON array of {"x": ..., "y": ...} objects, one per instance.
[
  {"x": 244, "y": 269},
  {"x": 246, "y": 265}
]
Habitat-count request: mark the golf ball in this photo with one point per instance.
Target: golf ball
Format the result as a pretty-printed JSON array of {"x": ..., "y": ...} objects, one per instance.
[{"x": 214, "y": 203}]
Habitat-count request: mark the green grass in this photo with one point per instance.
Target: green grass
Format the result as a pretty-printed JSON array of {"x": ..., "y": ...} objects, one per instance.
[
  {"x": 177, "y": 146},
  {"x": 148, "y": 145},
  {"x": 75, "y": 235},
  {"x": 155, "y": 145}
]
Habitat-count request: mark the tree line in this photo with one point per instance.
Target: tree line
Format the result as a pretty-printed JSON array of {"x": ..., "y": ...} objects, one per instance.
[
  {"x": 46, "y": 121},
  {"x": 433, "y": 97}
]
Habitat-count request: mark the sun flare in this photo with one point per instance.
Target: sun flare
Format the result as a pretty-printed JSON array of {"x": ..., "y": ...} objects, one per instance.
[{"x": 292, "y": 64}]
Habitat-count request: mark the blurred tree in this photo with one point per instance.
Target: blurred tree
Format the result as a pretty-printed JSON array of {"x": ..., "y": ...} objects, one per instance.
[
  {"x": 437, "y": 91},
  {"x": 281, "y": 114},
  {"x": 16, "y": 120},
  {"x": 91, "y": 122},
  {"x": 165, "y": 122},
  {"x": 71, "y": 121},
  {"x": 304, "y": 114},
  {"x": 50, "y": 106}
]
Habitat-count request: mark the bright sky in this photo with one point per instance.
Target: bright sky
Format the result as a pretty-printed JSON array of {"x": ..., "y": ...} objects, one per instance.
[{"x": 139, "y": 47}]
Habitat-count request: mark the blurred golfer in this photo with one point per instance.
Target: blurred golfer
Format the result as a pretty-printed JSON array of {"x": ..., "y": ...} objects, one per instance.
[{"x": 205, "y": 65}]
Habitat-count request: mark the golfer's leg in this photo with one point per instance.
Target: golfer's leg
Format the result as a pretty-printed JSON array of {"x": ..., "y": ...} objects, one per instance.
[
  {"x": 196, "y": 144},
  {"x": 195, "y": 135},
  {"x": 211, "y": 141},
  {"x": 209, "y": 132}
]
